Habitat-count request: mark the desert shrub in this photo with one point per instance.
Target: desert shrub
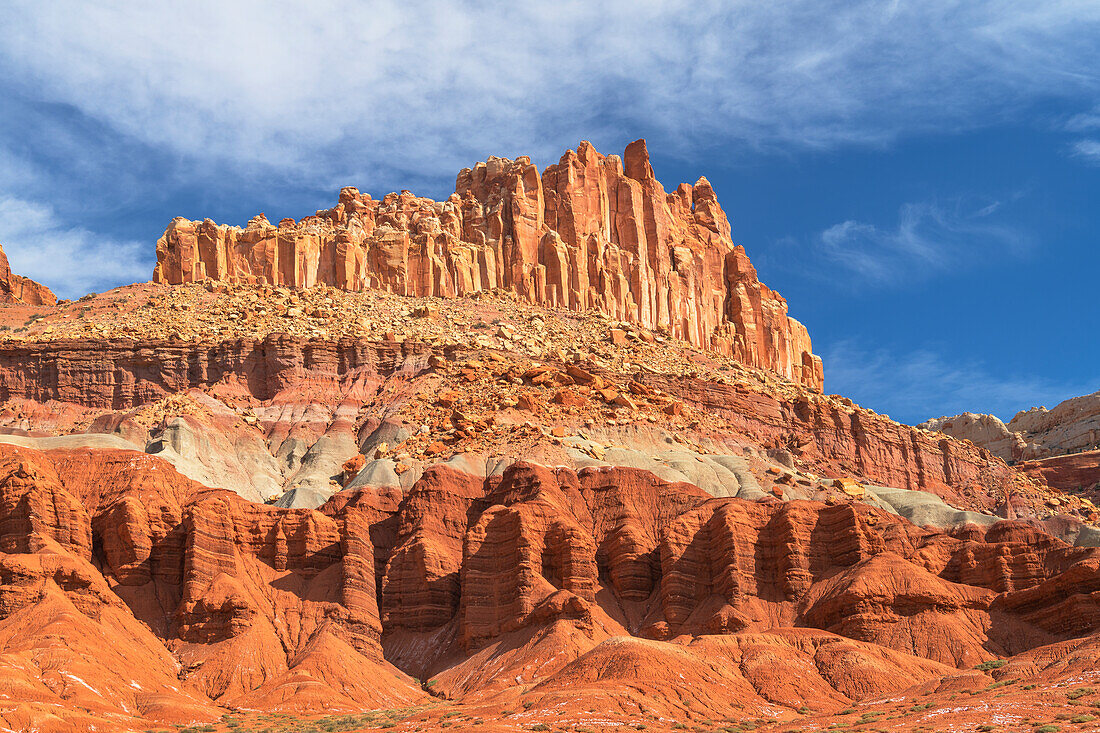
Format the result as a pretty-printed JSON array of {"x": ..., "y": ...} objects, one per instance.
[{"x": 991, "y": 664}]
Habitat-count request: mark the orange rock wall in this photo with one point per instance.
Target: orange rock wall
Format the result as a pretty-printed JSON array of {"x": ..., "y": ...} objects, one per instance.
[
  {"x": 1073, "y": 472},
  {"x": 592, "y": 231},
  {"x": 124, "y": 374}
]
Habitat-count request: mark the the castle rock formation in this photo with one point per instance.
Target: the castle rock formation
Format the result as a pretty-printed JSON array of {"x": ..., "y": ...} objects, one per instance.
[{"x": 593, "y": 231}]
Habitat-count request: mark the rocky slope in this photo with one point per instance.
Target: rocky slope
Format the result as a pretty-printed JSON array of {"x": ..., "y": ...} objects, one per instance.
[
  {"x": 18, "y": 289},
  {"x": 275, "y": 414},
  {"x": 593, "y": 231}
]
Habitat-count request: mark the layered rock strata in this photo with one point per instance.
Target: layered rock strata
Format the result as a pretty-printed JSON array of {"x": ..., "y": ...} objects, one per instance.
[
  {"x": 1070, "y": 472},
  {"x": 592, "y": 231},
  {"x": 176, "y": 598},
  {"x": 121, "y": 375}
]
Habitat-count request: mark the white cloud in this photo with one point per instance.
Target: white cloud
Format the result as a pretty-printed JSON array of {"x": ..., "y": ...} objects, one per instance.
[
  {"x": 71, "y": 261},
  {"x": 404, "y": 88},
  {"x": 1088, "y": 149},
  {"x": 402, "y": 93},
  {"x": 929, "y": 237},
  {"x": 916, "y": 385},
  {"x": 1084, "y": 121}
]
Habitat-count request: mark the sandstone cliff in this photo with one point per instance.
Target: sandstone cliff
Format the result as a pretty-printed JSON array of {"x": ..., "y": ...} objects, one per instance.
[
  {"x": 249, "y": 502},
  {"x": 592, "y": 231},
  {"x": 985, "y": 430},
  {"x": 305, "y": 381},
  {"x": 1069, "y": 427},
  {"x": 18, "y": 289}
]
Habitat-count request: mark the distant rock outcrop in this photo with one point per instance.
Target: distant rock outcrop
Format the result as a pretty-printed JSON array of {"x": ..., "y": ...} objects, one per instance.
[
  {"x": 592, "y": 231},
  {"x": 985, "y": 430},
  {"x": 18, "y": 289},
  {"x": 1060, "y": 445},
  {"x": 1071, "y": 426}
]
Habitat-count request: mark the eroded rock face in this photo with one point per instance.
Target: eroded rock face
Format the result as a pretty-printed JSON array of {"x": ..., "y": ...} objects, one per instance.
[
  {"x": 122, "y": 375},
  {"x": 532, "y": 576},
  {"x": 191, "y": 581},
  {"x": 18, "y": 289},
  {"x": 592, "y": 231},
  {"x": 1078, "y": 472}
]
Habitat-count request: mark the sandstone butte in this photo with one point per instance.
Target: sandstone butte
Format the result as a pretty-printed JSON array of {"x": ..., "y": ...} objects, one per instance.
[
  {"x": 593, "y": 231},
  {"x": 231, "y": 504},
  {"x": 18, "y": 289}
]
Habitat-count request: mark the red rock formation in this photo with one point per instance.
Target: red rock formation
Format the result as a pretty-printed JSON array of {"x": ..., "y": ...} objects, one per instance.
[
  {"x": 1073, "y": 472},
  {"x": 18, "y": 289},
  {"x": 421, "y": 586},
  {"x": 735, "y": 676},
  {"x": 842, "y": 440},
  {"x": 174, "y": 597},
  {"x": 587, "y": 233},
  {"x": 141, "y": 551},
  {"x": 35, "y": 512},
  {"x": 852, "y": 441}
]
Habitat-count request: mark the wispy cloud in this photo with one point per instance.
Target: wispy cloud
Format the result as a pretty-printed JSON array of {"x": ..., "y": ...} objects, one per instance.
[
  {"x": 1084, "y": 121},
  {"x": 1085, "y": 148},
  {"x": 414, "y": 86},
  {"x": 913, "y": 386},
  {"x": 928, "y": 237},
  {"x": 118, "y": 101},
  {"x": 1088, "y": 149},
  {"x": 70, "y": 260}
]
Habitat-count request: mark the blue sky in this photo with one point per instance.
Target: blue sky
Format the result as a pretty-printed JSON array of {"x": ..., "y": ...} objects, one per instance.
[{"x": 919, "y": 179}]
